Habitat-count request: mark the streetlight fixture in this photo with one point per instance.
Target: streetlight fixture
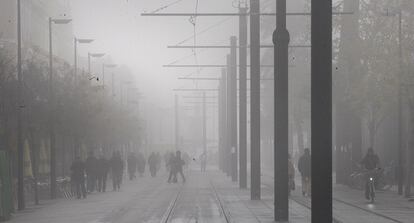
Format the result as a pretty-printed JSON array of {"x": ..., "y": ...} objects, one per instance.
[
  {"x": 94, "y": 55},
  {"x": 76, "y": 41},
  {"x": 51, "y": 108}
]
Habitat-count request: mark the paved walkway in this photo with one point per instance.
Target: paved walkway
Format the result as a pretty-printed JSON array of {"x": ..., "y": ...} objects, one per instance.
[
  {"x": 208, "y": 197},
  {"x": 350, "y": 206}
]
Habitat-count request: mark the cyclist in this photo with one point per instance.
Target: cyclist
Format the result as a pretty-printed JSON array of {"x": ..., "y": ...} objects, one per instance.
[{"x": 370, "y": 162}]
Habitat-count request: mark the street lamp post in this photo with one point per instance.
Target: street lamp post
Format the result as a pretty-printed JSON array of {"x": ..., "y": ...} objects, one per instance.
[
  {"x": 20, "y": 166},
  {"x": 76, "y": 41},
  {"x": 52, "y": 108}
]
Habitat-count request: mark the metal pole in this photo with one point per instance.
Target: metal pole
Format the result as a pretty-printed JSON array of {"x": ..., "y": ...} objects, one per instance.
[
  {"x": 321, "y": 110},
  {"x": 281, "y": 42},
  {"x": 400, "y": 124},
  {"x": 255, "y": 172},
  {"x": 204, "y": 124},
  {"x": 233, "y": 105},
  {"x": 220, "y": 123},
  {"x": 243, "y": 98},
  {"x": 75, "y": 63},
  {"x": 224, "y": 114},
  {"x": 51, "y": 119},
  {"x": 20, "y": 152},
  {"x": 177, "y": 134},
  {"x": 228, "y": 116}
]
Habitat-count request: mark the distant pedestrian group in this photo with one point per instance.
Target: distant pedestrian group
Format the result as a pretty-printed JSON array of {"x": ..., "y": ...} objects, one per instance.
[{"x": 91, "y": 175}]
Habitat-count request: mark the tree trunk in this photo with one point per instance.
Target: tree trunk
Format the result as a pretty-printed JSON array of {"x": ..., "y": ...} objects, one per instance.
[{"x": 35, "y": 167}]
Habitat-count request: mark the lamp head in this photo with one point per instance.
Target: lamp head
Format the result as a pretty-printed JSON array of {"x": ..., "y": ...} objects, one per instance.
[{"x": 61, "y": 21}]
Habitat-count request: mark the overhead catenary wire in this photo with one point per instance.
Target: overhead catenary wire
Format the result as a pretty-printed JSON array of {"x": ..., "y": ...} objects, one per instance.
[{"x": 166, "y": 6}]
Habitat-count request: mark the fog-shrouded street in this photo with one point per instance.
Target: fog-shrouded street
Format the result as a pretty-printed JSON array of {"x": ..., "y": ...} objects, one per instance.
[{"x": 206, "y": 111}]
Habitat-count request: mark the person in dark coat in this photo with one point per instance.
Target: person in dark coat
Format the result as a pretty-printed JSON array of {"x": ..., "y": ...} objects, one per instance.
[
  {"x": 141, "y": 164},
  {"x": 170, "y": 165},
  {"x": 117, "y": 167},
  {"x": 103, "y": 169},
  {"x": 177, "y": 165},
  {"x": 132, "y": 162},
  {"x": 91, "y": 171},
  {"x": 78, "y": 177},
  {"x": 152, "y": 162},
  {"x": 370, "y": 162},
  {"x": 304, "y": 167}
]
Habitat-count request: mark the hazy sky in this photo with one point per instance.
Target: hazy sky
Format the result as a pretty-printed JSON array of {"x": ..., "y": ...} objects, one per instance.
[{"x": 140, "y": 42}]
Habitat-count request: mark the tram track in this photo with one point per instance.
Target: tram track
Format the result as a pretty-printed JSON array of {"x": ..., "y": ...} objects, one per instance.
[
  {"x": 337, "y": 200},
  {"x": 170, "y": 210},
  {"x": 220, "y": 203}
]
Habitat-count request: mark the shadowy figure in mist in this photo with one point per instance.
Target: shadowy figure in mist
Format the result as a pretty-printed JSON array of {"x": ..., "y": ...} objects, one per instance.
[
  {"x": 117, "y": 167},
  {"x": 91, "y": 171},
  {"x": 78, "y": 177},
  {"x": 152, "y": 163},
  {"x": 132, "y": 162},
  {"x": 141, "y": 164},
  {"x": 176, "y": 164},
  {"x": 103, "y": 169}
]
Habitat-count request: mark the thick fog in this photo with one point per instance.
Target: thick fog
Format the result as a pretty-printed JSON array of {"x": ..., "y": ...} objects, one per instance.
[{"x": 206, "y": 111}]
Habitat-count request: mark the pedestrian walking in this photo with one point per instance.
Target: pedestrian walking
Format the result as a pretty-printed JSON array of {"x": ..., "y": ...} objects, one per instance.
[
  {"x": 152, "y": 162},
  {"x": 132, "y": 162},
  {"x": 78, "y": 177},
  {"x": 103, "y": 169},
  {"x": 170, "y": 165},
  {"x": 178, "y": 166},
  {"x": 304, "y": 166},
  {"x": 141, "y": 164},
  {"x": 117, "y": 167},
  {"x": 91, "y": 172}
]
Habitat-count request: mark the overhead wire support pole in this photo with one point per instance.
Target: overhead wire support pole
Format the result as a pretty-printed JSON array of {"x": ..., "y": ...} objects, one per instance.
[
  {"x": 255, "y": 172},
  {"x": 220, "y": 124},
  {"x": 204, "y": 124},
  {"x": 321, "y": 110},
  {"x": 242, "y": 98},
  {"x": 228, "y": 116},
  {"x": 233, "y": 104},
  {"x": 281, "y": 40},
  {"x": 224, "y": 117},
  {"x": 177, "y": 127}
]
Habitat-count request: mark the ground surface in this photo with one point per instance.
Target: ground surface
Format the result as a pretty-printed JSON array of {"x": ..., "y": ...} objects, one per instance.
[{"x": 207, "y": 197}]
